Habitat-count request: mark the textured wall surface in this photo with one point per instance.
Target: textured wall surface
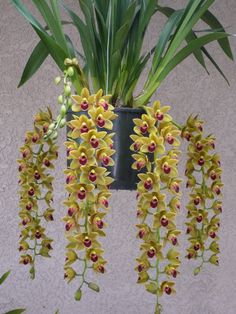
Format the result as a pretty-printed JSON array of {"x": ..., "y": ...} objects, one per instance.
[{"x": 188, "y": 89}]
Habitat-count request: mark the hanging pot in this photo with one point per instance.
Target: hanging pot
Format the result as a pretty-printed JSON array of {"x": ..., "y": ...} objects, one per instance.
[{"x": 125, "y": 177}]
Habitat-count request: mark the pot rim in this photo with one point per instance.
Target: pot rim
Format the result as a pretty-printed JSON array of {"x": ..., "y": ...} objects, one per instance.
[{"x": 119, "y": 109}]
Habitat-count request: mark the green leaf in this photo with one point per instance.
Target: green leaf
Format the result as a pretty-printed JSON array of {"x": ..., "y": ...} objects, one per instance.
[
  {"x": 36, "y": 59},
  {"x": 70, "y": 46},
  {"x": 53, "y": 22},
  {"x": 165, "y": 35},
  {"x": 4, "y": 277},
  {"x": 193, "y": 13},
  {"x": 86, "y": 43},
  {"x": 17, "y": 311},
  {"x": 214, "y": 23},
  {"x": 167, "y": 11},
  {"x": 187, "y": 50},
  {"x": 57, "y": 53},
  {"x": 215, "y": 64}
]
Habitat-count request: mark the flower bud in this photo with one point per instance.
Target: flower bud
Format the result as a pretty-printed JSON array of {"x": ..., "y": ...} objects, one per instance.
[
  {"x": 74, "y": 61},
  {"x": 60, "y": 100},
  {"x": 214, "y": 260},
  {"x": 70, "y": 71},
  {"x": 78, "y": 295},
  {"x": 51, "y": 126},
  {"x": 57, "y": 80},
  {"x": 69, "y": 103},
  {"x": 93, "y": 286},
  {"x": 67, "y": 90},
  {"x": 63, "y": 110},
  {"x": 62, "y": 123},
  {"x": 68, "y": 61},
  {"x": 196, "y": 271}
]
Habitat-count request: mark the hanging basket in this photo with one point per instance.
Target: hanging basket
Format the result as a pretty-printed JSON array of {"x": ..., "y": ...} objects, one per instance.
[{"x": 125, "y": 177}]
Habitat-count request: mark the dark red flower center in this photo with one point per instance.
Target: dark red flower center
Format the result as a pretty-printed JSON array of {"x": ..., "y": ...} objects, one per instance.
[
  {"x": 168, "y": 290},
  {"x": 164, "y": 221},
  {"x": 83, "y": 159},
  {"x": 141, "y": 233},
  {"x": 141, "y": 267},
  {"x": 144, "y": 128},
  {"x": 101, "y": 269},
  {"x": 199, "y": 146},
  {"x": 37, "y": 175},
  {"x": 87, "y": 242},
  {"x": 38, "y": 234},
  {"x": 174, "y": 240},
  {"x": 154, "y": 202},
  {"x": 166, "y": 168},
  {"x": 105, "y": 202},
  {"x": 84, "y": 105},
  {"x": 170, "y": 139},
  {"x": 94, "y": 142},
  {"x": 159, "y": 115},
  {"x": 81, "y": 194},
  {"x": 71, "y": 211},
  {"x": 105, "y": 105},
  {"x": 105, "y": 160},
  {"x": 201, "y": 161},
  {"x": 151, "y": 252},
  {"x": 199, "y": 218},
  {"x": 197, "y": 200},
  {"x": 31, "y": 192},
  {"x": 100, "y": 121},
  {"x": 148, "y": 184},
  {"x": 99, "y": 223},
  {"x": 93, "y": 257},
  {"x": 84, "y": 128},
  {"x": 92, "y": 176},
  {"x": 136, "y": 146},
  {"x": 47, "y": 162},
  {"x": 152, "y": 147},
  {"x": 28, "y": 206}
]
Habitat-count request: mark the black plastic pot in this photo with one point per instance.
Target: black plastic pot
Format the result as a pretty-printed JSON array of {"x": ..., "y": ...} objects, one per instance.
[{"x": 125, "y": 177}]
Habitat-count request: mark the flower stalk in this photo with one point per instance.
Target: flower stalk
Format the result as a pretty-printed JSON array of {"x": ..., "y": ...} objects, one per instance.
[
  {"x": 89, "y": 151},
  {"x": 156, "y": 157},
  {"x": 205, "y": 203},
  {"x": 35, "y": 180}
]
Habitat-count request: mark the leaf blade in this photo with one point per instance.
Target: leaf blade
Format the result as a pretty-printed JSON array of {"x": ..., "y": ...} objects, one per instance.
[
  {"x": 36, "y": 59},
  {"x": 16, "y": 311},
  {"x": 4, "y": 276}
]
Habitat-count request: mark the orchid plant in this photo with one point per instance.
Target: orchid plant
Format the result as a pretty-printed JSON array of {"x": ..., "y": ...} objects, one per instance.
[{"x": 95, "y": 81}]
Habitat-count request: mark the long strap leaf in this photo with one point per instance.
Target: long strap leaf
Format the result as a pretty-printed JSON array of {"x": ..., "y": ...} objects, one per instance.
[
  {"x": 186, "y": 51},
  {"x": 214, "y": 23},
  {"x": 16, "y": 311},
  {"x": 4, "y": 277},
  {"x": 57, "y": 53},
  {"x": 36, "y": 59}
]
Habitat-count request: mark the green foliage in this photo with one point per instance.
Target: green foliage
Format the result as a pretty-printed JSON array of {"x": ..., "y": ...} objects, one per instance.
[
  {"x": 112, "y": 35},
  {"x": 4, "y": 277},
  {"x": 17, "y": 311}
]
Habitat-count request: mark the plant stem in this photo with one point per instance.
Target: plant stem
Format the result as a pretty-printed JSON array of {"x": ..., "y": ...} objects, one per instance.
[{"x": 177, "y": 125}]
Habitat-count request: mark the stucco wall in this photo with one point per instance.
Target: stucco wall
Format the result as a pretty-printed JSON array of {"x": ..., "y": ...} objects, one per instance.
[{"x": 188, "y": 89}]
